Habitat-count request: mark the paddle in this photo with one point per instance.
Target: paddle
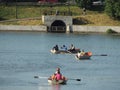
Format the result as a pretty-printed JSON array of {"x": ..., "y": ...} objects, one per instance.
[
  {"x": 36, "y": 76},
  {"x": 68, "y": 78},
  {"x": 39, "y": 77},
  {"x": 74, "y": 79},
  {"x": 100, "y": 55}
]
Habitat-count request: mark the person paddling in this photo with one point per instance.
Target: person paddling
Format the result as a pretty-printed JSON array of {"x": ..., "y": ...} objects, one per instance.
[
  {"x": 55, "y": 48},
  {"x": 58, "y": 75},
  {"x": 72, "y": 48},
  {"x": 64, "y": 47}
]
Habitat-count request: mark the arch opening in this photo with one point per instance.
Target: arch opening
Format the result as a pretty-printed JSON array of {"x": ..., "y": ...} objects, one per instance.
[{"x": 58, "y": 26}]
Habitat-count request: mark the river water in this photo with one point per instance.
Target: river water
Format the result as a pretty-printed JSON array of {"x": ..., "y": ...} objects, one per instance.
[{"x": 24, "y": 55}]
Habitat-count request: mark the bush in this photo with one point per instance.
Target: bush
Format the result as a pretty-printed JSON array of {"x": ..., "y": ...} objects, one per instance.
[
  {"x": 112, "y": 8},
  {"x": 111, "y": 31}
]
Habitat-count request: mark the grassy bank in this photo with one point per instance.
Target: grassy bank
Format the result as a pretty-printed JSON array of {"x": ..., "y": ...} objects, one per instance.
[
  {"x": 26, "y": 15},
  {"x": 95, "y": 19}
]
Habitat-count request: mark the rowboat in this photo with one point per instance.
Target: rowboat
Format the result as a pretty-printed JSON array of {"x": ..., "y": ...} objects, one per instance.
[
  {"x": 87, "y": 55},
  {"x": 64, "y": 51},
  {"x": 82, "y": 57},
  {"x": 55, "y": 82},
  {"x": 58, "y": 52}
]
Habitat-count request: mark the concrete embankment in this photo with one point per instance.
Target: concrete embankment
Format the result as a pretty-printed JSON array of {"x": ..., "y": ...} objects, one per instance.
[
  {"x": 75, "y": 28},
  {"x": 95, "y": 29},
  {"x": 41, "y": 28}
]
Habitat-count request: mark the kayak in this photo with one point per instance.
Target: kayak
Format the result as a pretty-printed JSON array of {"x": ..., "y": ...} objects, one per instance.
[
  {"x": 87, "y": 55},
  {"x": 57, "y": 81},
  {"x": 64, "y": 51}
]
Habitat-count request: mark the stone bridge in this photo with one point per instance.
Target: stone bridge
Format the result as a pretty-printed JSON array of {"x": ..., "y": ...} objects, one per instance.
[{"x": 56, "y": 23}]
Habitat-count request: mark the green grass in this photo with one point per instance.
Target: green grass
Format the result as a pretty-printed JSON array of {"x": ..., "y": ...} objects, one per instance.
[{"x": 96, "y": 17}]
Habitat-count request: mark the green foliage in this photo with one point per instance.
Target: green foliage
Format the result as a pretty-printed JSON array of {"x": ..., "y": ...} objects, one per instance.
[
  {"x": 84, "y": 3},
  {"x": 91, "y": 18},
  {"x": 7, "y": 11},
  {"x": 112, "y": 8},
  {"x": 110, "y": 31}
]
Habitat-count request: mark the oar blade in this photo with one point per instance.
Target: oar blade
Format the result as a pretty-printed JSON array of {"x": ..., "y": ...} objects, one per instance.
[
  {"x": 78, "y": 79},
  {"x": 36, "y": 76},
  {"x": 103, "y": 54},
  {"x": 100, "y": 55},
  {"x": 74, "y": 79},
  {"x": 40, "y": 77}
]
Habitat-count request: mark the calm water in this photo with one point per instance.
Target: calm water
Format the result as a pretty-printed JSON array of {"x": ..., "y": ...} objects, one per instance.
[{"x": 26, "y": 54}]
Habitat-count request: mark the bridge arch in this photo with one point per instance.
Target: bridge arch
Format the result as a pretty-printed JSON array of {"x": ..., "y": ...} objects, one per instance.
[{"x": 58, "y": 26}]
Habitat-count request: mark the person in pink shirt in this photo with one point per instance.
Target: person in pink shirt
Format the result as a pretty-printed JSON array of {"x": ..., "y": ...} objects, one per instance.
[{"x": 58, "y": 76}]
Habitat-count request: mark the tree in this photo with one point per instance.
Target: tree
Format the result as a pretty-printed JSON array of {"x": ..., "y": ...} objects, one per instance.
[
  {"x": 84, "y": 3},
  {"x": 112, "y": 8}
]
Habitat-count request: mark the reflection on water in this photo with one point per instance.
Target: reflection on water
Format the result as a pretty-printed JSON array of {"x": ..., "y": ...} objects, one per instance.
[
  {"x": 50, "y": 87},
  {"x": 56, "y": 87},
  {"x": 26, "y": 54}
]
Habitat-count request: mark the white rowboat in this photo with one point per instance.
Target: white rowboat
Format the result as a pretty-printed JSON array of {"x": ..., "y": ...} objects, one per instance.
[
  {"x": 57, "y": 81},
  {"x": 87, "y": 55}
]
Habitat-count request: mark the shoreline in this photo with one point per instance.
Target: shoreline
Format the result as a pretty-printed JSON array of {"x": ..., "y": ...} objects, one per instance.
[{"x": 73, "y": 28}]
